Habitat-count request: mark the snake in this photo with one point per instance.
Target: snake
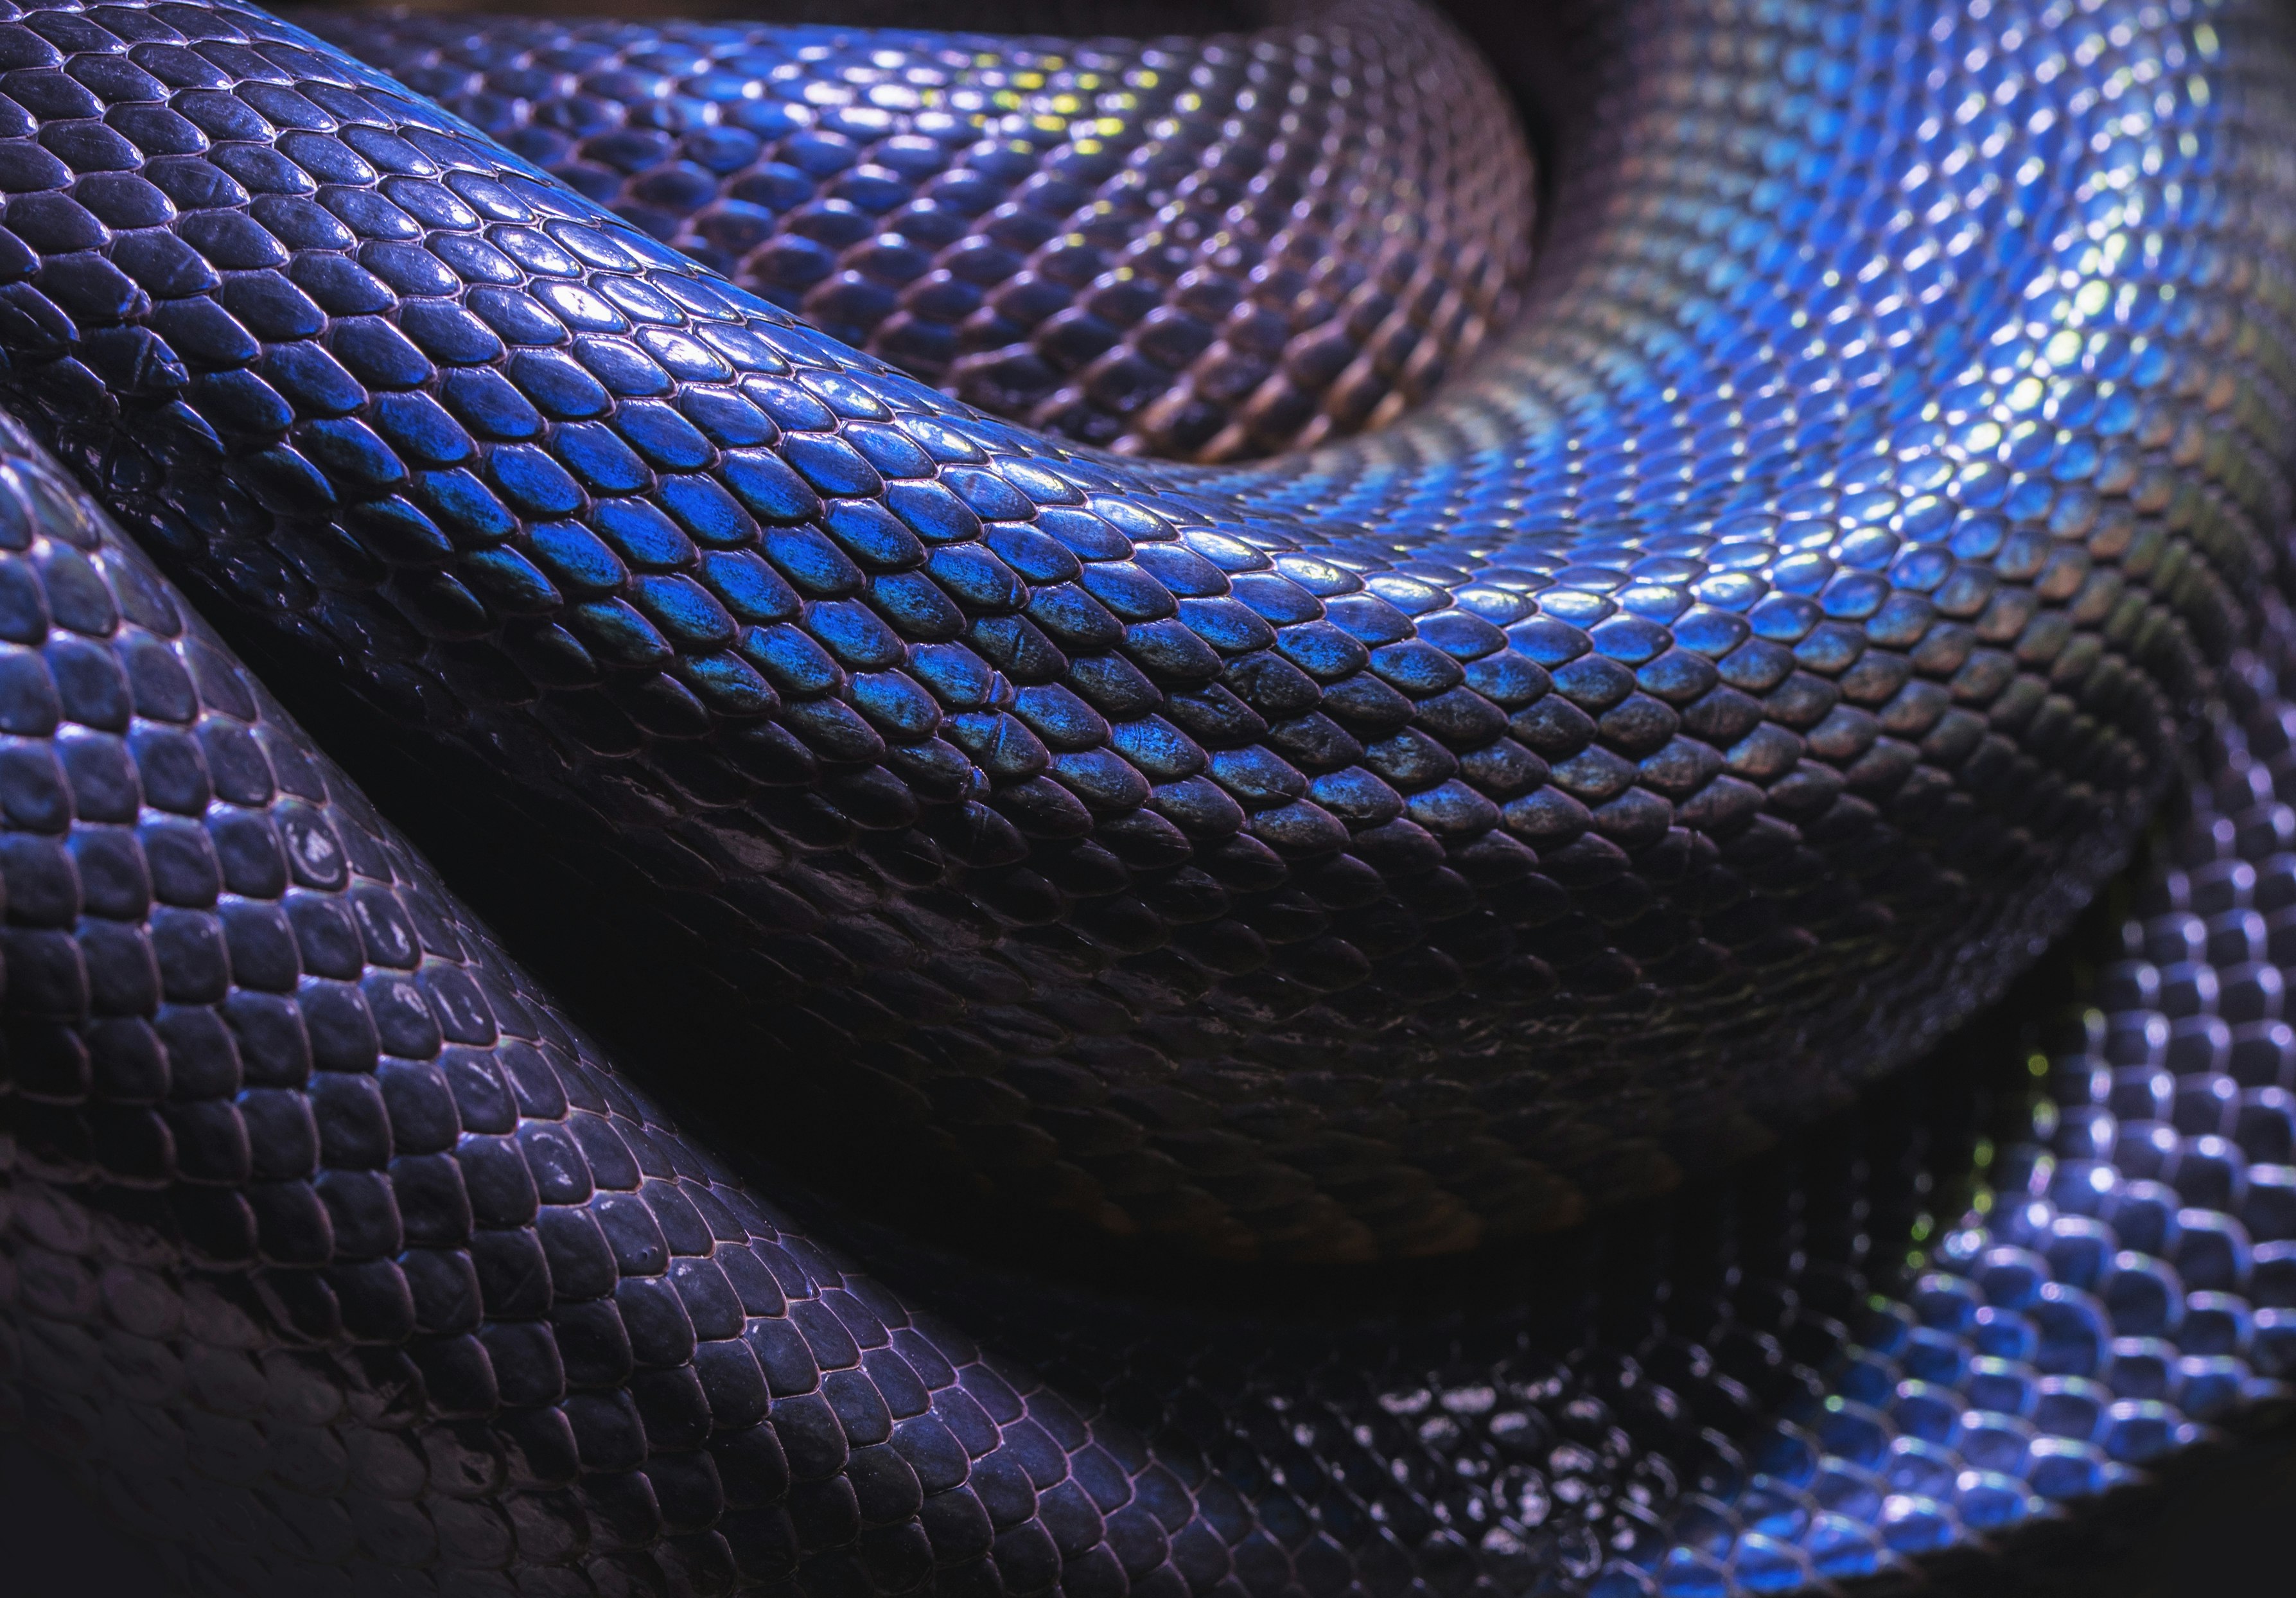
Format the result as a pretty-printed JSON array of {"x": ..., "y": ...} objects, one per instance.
[{"x": 1251, "y": 838}]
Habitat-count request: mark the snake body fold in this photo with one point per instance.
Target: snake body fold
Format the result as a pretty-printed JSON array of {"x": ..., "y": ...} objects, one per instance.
[{"x": 1722, "y": 687}]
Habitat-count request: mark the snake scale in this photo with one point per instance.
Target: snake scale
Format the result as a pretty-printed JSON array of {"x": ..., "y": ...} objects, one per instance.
[{"x": 1323, "y": 836}]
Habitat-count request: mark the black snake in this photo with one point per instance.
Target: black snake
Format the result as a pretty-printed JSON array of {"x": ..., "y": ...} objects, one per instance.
[{"x": 1392, "y": 749}]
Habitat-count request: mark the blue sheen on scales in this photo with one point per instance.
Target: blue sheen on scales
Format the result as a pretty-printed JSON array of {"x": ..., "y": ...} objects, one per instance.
[{"x": 1325, "y": 743}]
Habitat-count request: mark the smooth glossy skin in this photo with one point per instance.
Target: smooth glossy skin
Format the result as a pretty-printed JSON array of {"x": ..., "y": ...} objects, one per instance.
[{"x": 339, "y": 1261}]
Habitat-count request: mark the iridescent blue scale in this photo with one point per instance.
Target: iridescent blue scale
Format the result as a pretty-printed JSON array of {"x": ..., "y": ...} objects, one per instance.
[{"x": 1083, "y": 645}]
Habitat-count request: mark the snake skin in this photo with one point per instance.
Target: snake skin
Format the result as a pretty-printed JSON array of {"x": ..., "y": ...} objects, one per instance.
[
  {"x": 1049, "y": 234},
  {"x": 337, "y": 1260},
  {"x": 1173, "y": 851},
  {"x": 1725, "y": 687}
]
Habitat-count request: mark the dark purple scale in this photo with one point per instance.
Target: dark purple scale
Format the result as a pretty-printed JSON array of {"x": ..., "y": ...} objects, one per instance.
[{"x": 1271, "y": 894}]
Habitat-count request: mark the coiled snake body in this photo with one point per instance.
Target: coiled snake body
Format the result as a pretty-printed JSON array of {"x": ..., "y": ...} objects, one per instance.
[{"x": 1741, "y": 644}]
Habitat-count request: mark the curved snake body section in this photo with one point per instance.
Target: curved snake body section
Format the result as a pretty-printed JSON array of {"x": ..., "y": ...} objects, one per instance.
[
  {"x": 337, "y": 1258},
  {"x": 1380, "y": 852},
  {"x": 1372, "y": 852},
  {"x": 1202, "y": 248}
]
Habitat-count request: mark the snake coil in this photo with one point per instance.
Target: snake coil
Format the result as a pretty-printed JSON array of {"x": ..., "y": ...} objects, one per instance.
[{"x": 1561, "y": 735}]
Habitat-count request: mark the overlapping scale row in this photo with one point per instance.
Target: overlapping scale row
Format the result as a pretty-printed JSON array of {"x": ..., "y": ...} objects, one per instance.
[
  {"x": 1723, "y": 696},
  {"x": 1816, "y": 1410},
  {"x": 333, "y": 1259},
  {"x": 328, "y": 1241},
  {"x": 1769, "y": 299},
  {"x": 1202, "y": 247},
  {"x": 2123, "y": 1287}
]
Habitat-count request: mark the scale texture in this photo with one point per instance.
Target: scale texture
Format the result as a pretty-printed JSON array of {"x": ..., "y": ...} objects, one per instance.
[
  {"x": 1393, "y": 849},
  {"x": 1362, "y": 856},
  {"x": 1183, "y": 247}
]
